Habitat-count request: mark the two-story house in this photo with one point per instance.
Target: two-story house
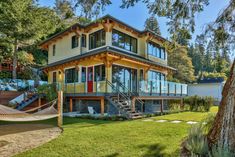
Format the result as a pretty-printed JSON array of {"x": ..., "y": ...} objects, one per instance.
[{"x": 112, "y": 67}]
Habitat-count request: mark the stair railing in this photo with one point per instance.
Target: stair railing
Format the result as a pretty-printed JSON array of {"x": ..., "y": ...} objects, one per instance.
[
  {"x": 121, "y": 95},
  {"x": 130, "y": 93}
]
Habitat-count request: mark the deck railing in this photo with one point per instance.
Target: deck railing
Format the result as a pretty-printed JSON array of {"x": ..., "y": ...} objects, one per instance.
[
  {"x": 165, "y": 88},
  {"x": 162, "y": 88}
]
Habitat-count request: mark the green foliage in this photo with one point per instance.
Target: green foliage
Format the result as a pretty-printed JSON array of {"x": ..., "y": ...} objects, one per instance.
[
  {"x": 22, "y": 22},
  {"x": 151, "y": 24},
  {"x": 214, "y": 75},
  {"x": 180, "y": 13},
  {"x": 197, "y": 103},
  {"x": 179, "y": 59},
  {"x": 49, "y": 90},
  {"x": 109, "y": 118},
  {"x": 5, "y": 74},
  {"x": 219, "y": 151},
  {"x": 196, "y": 142},
  {"x": 208, "y": 122}
]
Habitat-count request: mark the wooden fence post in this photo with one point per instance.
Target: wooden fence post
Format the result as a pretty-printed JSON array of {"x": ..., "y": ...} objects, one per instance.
[{"x": 60, "y": 108}]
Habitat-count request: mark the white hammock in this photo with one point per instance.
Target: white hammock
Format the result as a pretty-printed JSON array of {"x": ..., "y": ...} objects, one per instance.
[{"x": 9, "y": 114}]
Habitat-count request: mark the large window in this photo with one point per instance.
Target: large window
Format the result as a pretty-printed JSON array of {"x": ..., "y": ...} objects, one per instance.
[
  {"x": 74, "y": 41},
  {"x": 124, "y": 41},
  {"x": 156, "y": 76},
  {"x": 100, "y": 73},
  {"x": 71, "y": 75},
  {"x": 97, "y": 39},
  {"x": 83, "y": 74},
  {"x": 156, "y": 51}
]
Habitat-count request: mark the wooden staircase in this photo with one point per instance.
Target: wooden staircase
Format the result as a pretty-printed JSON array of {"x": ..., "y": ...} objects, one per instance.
[
  {"x": 122, "y": 101},
  {"x": 30, "y": 98}
]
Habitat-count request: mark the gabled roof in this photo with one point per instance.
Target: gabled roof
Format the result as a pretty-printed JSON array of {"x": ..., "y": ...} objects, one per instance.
[{"x": 97, "y": 21}]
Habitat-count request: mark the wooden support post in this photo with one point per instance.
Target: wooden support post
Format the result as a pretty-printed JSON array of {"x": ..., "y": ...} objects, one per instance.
[
  {"x": 70, "y": 105},
  {"x": 133, "y": 104},
  {"x": 39, "y": 101},
  {"x": 102, "y": 106},
  {"x": 60, "y": 108},
  {"x": 162, "y": 106}
]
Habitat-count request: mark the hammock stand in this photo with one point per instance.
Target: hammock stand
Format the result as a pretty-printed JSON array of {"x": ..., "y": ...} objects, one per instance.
[{"x": 13, "y": 115}]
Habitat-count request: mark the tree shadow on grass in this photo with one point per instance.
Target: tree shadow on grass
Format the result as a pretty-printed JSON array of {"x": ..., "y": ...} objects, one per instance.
[
  {"x": 154, "y": 150},
  {"x": 112, "y": 155}
]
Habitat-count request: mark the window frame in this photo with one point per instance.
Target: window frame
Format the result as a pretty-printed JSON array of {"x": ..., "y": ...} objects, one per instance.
[
  {"x": 53, "y": 49},
  {"x": 83, "y": 40},
  {"x": 74, "y": 41},
  {"x": 75, "y": 76},
  {"x": 85, "y": 78},
  {"x": 156, "y": 50},
  {"x": 100, "y": 68},
  {"x": 132, "y": 48},
  {"x": 100, "y": 33}
]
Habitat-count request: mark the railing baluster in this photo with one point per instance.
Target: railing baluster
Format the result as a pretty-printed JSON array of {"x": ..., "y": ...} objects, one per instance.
[
  {"x": 168, "y": 88},
  {"x": 160, "y": 88},
  {"x": 175, "y": 89},
  {"x": 181, "y": 90}
]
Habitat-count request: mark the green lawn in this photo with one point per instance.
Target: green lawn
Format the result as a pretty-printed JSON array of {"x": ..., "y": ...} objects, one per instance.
[
  {"x": 188, "y": 116},
  {"x": 96, "y": 138}
]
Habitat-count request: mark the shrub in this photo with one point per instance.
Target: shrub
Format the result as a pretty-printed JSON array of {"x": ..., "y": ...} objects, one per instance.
[
  {"x": 196, "y": 142},
  {"x": 112, "y": 118},
  {"x": 5, "y": 74},
  {"x": 219, "y": 151},
  {"x": 208, "y": 122},
  {"x": 49, "y": 90},
  {"x": 197, "y": 103}
]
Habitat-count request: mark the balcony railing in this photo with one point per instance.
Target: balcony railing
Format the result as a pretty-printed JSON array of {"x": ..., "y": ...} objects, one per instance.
[
  {"x": 151, "y": 88},
  {"x": 162, "y": 88}
]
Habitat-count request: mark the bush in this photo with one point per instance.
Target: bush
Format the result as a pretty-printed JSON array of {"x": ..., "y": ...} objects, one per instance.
[
  {"x": 196, "y": 142},
  {"x": 197, "y": 103},
  {"x": 49, "y": 90},
  {"x": 5, "y": 74},
  {"x": 112, "y": 118},
  {"x": 208, "y": 122},
  {"x": 218, "y": 151}
]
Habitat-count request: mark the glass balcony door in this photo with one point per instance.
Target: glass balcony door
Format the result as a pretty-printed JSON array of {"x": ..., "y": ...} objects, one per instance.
[{"x": 126, "y": 76}]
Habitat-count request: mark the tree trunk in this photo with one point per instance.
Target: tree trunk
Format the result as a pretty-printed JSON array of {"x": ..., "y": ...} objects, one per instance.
[
  {"x": 223, "y": 129},
  {"x": 14, "y": 75}
]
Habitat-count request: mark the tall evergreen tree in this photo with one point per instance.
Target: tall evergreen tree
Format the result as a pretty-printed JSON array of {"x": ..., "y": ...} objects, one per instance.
[
  {"x": 179, "y": 59},
  {"x": 23, "y": 22},
  {"x": 151, "y": 24}
]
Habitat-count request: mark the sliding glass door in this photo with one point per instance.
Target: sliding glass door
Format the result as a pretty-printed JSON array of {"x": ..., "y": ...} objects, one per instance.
[{"x": 125, "y": 76}]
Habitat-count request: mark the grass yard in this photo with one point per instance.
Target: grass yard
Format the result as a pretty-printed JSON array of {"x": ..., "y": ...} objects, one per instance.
[
  {"x": 96, "y": 138},
  {"x": 188, "y": 116}
]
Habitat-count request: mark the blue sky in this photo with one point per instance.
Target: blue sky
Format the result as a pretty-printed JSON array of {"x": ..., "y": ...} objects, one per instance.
[{"x": 136, "y": 16}]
